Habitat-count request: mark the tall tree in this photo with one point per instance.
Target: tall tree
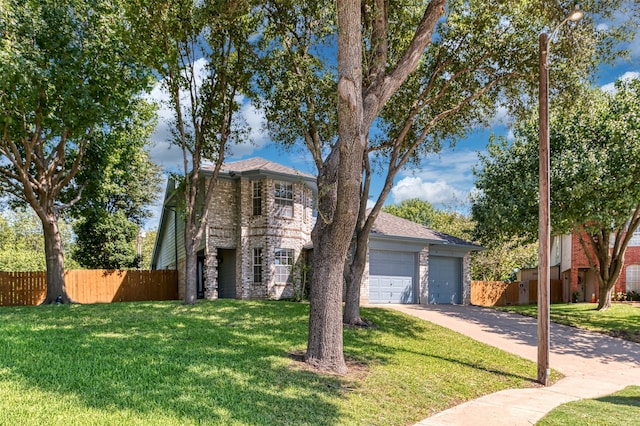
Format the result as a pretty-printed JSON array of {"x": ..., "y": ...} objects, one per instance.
[
  {"x": 121, "y": 185},
  {"x": 595, "y": 162},
  {"x": 415, "y": 210},
  {"x": 22, "y": 242},
  {"x": 477, "y": 57},
  {"x": 480, "y": 61},
  {"x": 65, "y": 73},
  {"x": 146, "y": 243},
  {"x": 201, "y": 51}
]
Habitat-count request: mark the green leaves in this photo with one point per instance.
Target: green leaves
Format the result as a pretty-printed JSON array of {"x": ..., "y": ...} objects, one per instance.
[
  {"x": 595, "y": 161},
  {"x": 65, "y": 73}
]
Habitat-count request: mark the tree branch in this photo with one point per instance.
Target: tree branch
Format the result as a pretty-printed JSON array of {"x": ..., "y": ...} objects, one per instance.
[{"x": 379, "y": 93}]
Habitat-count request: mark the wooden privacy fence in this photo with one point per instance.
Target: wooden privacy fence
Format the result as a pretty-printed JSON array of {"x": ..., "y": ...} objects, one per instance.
[
  {"x": 90, "y": 286},
  {"x": 499, "y": 293}
]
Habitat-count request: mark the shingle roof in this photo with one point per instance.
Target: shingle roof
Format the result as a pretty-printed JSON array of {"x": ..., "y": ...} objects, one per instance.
[
  {"x": 260, "y": 164},
  {"x": 387, "y": 224}
]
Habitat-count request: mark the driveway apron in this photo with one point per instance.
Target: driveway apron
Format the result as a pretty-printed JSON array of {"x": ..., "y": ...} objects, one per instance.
[{"x": 593, "y": 364}]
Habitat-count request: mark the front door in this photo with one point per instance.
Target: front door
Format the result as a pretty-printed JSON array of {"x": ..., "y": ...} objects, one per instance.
[
  {"x": 227, "y": 274},
  {"x": 200, "y": 275}
]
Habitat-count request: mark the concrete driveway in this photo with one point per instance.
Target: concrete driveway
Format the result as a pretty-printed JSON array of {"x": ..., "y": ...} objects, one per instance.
[{"x": 593, "y": 364}]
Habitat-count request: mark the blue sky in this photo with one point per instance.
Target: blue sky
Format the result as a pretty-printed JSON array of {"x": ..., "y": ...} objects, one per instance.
[{"x": 445, "y": 179}]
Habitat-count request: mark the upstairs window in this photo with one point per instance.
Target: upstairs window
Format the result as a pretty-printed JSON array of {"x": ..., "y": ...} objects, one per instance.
[
  {"x": 256, "y": 197},
  {"x": 283, "y": 194},
  {"x": 284, "y": 264}
]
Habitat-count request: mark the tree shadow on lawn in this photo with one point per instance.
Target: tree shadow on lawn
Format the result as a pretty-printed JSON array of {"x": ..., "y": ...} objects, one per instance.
[
  {"x": 409, "y": 335},
  {"x": 623, "y": 401},
  {"x": 199, "y": 364}
]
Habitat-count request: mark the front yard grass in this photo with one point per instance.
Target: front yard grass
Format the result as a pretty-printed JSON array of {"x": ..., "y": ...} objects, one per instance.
[
  {"x": 620, "y": 320},
  {"x": 619, "y": 409},
  {"x": 228, "y": 362}
]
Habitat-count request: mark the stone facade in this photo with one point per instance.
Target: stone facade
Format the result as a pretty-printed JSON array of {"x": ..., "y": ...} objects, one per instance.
[
  {"x": 466, "y": 279},
  {"x": 423, "y": 267},
  {"x": 258, "y": 230},
  {"x": 246, "y": 218}
]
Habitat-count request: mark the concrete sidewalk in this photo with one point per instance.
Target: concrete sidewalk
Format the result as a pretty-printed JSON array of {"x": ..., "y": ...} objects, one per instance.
[{"x": 593, "y": 364}]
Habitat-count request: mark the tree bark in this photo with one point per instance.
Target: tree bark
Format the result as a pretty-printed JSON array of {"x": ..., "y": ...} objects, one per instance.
[
  {"x": 324, "y": 346},
  {"x": 338, "y": 200},
  {"x": 381, "y": 87},
  {"x": 357, "y": 109},
  {"x": 191, "y": 263},
  {"x": 606, "y": 292},
  {"x": 54, "y": 252},
  {"x": 355, "y": 271}
]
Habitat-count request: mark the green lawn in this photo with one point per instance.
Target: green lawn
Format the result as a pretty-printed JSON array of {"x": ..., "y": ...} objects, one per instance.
[
  {"x": 227, "y": 362},
  {"x": 620, "y": 409},
  {"x": 620, "y": 320}
]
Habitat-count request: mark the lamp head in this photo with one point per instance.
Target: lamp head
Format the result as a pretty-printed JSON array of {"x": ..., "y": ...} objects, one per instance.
[{"x": 576, "y": 14}]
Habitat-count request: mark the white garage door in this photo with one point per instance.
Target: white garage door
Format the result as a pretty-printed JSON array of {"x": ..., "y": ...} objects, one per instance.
[
  {"x": 391, "y": 276},
  {"x": 445, "y": 282}
]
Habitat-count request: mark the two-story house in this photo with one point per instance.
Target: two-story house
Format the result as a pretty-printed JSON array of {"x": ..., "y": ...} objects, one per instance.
[{"x": 258, "y": 241}]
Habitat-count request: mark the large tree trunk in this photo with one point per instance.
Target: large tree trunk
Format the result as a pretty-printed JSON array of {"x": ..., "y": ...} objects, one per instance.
[
  {"x": 54, "y": 253},
  {"x": 604, "y": 302},
  {"x": 324, "y": 347},
  {"x": 337, "y": 214},
  {"x": 331, "y": 239}
]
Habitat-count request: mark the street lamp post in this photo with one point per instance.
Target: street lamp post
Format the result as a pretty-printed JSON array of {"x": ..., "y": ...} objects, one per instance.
[{"x": 544, "y": 222}]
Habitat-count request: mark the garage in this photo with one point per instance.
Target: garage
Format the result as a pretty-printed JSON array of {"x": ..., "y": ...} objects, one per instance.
[
  {"x": 445, "y": 280},
  {"x": 392, "y": 276}
]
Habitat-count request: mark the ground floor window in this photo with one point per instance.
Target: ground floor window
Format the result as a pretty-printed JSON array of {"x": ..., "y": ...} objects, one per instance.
[
  {"x": 284, "y": 264},
  {"x": 257, "y": 265},
  {"x": 633, "y": 278}
]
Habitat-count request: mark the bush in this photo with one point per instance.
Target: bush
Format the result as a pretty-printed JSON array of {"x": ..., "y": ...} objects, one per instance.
[{"x": 633, "y": 295}]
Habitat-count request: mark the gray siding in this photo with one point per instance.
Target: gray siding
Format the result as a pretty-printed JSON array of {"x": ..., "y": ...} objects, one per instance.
[{"x": 171, "y": 244}]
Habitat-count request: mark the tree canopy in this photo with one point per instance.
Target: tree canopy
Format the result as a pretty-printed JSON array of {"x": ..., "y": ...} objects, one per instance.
[
  {"x": 411, "y": 78},
  {"x": 202, "y": 54},
  {"x": 66, "y": 73},
  {"x": 595, "y": 162},
  {"x": 121, "y": 184}
]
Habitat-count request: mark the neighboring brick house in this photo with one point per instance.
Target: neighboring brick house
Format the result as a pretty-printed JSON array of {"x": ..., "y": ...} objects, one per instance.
[
  {"x": 259, "y": 233},
  {"x": 570, "y": 265}
]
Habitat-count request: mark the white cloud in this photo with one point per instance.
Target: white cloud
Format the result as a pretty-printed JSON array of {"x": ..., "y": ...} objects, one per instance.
[
  {"x": 501, "y": 116},
  {"x": 437, "y": 193},
  {"x": 169, "y": 156},
  {"x": 453, "y": 167},
  {"x": 443, "y": 180},
  {"x": 627, "y": 76}
]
